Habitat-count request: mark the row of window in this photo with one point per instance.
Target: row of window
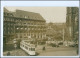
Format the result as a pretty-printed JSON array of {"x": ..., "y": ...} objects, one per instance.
[
  {"x": 31, "y": 17},
  {"x": 8, "y": 29},
  {"x": 25, "y": 21},
  {"x": 11, "y": 27},
  {"x": 34, "y": 27},
  {"x": 30, "y": 23},
  {"x": 31, "y": 35},
  {"x": 12, "y": 31},
  {"x": 30, "y": 31},
  {"x": 7, "y": 23},
  {"x": 30, "y": 28},
  {"x": 8, "y": 32},
  {"x": 8, "y": 19},
  {"x": 8, "y": 14}
]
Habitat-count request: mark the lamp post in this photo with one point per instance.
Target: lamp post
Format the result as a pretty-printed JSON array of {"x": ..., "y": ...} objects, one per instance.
[
  {"x": 63, "y": 36},
  {"x": 15, "y": 45}
]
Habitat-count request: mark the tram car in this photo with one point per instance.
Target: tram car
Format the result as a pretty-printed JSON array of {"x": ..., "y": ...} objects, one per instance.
[{"x": 28, "y": 47}]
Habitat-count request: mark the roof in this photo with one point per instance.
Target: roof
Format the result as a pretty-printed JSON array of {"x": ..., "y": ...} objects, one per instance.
[
  {"x": 25, "y": 14},
  {"x": 7, "y": 11},
  {"x": 28, "y": 15}
]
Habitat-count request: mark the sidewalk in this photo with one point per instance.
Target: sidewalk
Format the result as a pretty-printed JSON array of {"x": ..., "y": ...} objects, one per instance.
[
  {"x": 58, "y": 53},
  {"x": 40, "y": 47},
  {"x": 17, "y": 52}
]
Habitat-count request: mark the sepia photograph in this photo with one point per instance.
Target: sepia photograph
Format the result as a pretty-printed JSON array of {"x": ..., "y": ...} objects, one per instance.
[{"x": 40, "y": 31}]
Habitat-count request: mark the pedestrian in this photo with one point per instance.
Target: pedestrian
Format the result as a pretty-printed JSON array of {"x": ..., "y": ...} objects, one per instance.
[
  {"x": 36, "y": 45},
  {"x": 44, "y": 48},
  {"x": 77, "y": 51},
  {"x": 57, "y": 45},
  {"x": 8, "y": 54}
]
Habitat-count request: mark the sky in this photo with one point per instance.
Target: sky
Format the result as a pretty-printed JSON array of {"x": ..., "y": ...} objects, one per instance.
[{"x": 50, "y": 14}]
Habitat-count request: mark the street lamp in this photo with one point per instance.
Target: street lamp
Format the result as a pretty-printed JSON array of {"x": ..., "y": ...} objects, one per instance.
[
  {"x": 15, "y": 45},
  {"x": 63, "y": 36}
]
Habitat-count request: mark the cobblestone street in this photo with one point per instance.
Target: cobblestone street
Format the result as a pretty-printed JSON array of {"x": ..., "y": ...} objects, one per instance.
[
  {"x": 50, "y": 51},
  {"x": 18, "y": 52},
  {"x": 58, "y": 51}
]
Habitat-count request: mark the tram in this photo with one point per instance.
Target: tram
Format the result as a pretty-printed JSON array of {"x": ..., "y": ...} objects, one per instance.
[{"x": 27, "y": 47}]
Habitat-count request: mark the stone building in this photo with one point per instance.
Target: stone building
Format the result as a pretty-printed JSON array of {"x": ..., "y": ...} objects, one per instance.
[
  {"x": 55, "y": 31},
  {"x": 23, "y": 25},
  {"x": 8, "y": 26},
  {"x": 72, "y": 22}
]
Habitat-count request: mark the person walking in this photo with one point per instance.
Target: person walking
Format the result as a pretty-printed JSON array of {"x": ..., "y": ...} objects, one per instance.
[
  {"x": 44, "y": 48},
  {"x": 8, "y": 54}
]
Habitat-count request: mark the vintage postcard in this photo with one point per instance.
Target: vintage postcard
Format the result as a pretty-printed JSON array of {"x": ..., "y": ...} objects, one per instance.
[{"x": 40, "y": 31}]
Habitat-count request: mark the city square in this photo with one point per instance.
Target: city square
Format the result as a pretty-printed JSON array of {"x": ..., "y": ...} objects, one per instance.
[
  {"x": 50, "y": 51},
  {"x": 44, "y": 31}
]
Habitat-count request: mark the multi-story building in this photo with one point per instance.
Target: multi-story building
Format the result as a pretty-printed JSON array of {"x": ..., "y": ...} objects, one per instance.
[
  {"x": 8, "y": 26},
  {"x": 72, "y": 22},
  {"x": 23, "y": 25},
  {"x": 55, "y": 31}
]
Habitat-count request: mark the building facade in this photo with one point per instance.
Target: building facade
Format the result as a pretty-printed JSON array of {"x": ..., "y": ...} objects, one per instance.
[
  {"x": 23, "y": 25},
  {"x": 55, "y": 31},
  {"x": 72, "y": 22}
]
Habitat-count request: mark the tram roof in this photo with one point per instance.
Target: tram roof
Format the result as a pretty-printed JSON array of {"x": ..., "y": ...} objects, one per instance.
[{"x": 28, "y": 43}]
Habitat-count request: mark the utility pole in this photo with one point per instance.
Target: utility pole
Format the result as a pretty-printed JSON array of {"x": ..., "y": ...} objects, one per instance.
[{"x": 63, "y": 36}]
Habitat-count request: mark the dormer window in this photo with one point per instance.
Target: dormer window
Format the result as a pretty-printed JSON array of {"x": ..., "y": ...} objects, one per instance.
[
  {"x": 11, "y": 15},
  {"x": 25, "y": 16},
  {"x": 21, "y": 28}
]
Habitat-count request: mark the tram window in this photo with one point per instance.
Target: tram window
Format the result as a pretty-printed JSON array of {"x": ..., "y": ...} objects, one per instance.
[
  {"x": 26, "y": 47},
  {"x": 32, "y": 49},
  {"x": 23, "y": 45},
  {"x": 20, "y": 44},
  {"x": 29, "y": 48}
]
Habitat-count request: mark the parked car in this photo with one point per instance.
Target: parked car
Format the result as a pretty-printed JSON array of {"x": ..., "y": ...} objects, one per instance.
[
  {"x": 54, "y": 45},
  {"x": 61, "y": 43},
  {"x": 74, "y": 45}
]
